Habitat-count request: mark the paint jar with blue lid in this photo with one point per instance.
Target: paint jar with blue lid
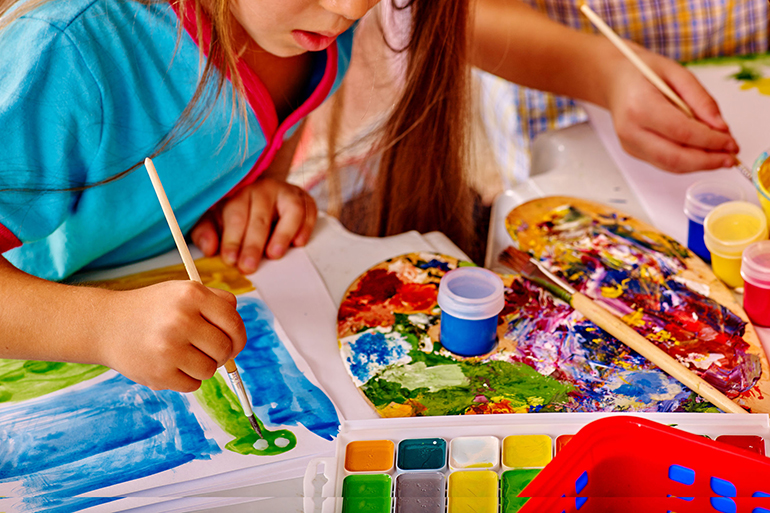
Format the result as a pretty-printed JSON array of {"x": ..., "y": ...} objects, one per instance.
[
  {"x": 701, "y": 198},
  {"x": 470, "y": 298}
]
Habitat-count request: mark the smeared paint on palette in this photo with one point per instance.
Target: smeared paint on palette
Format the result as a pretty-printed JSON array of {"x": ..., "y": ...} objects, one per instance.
[
  {"x": 85, "y": 427},
  {"x": 548, "y": 358},
  {"x": 659, "y": 287}
]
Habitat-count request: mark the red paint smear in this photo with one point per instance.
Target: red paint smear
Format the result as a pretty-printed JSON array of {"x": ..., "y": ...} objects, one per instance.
[
  {"x": 416, "y": 297},
  {"x": 377, "y": 285},
  {"x": 380, "y": 294}
]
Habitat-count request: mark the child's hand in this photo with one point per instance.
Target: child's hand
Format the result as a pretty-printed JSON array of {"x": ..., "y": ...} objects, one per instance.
[
  {"x": 266, "y": 216},
  {"x": 172, "y": 335},
  {"x": 652, "y": 128}
]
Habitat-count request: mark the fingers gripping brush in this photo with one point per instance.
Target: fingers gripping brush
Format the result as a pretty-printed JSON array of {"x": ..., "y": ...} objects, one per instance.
[{"x": 192, "y": 272}]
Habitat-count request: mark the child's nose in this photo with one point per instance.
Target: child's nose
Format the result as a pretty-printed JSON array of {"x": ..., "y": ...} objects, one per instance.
[{"x": 350, "y": 9}]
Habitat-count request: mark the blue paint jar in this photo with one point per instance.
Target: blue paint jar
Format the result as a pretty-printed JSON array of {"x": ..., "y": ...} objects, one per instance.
[
  {"x": 470, "y": 299},
  {"x": 700, "y": 199}
]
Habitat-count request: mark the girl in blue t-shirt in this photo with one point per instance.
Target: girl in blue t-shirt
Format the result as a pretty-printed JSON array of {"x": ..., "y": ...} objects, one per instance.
[{"x": 215, "y": 92}]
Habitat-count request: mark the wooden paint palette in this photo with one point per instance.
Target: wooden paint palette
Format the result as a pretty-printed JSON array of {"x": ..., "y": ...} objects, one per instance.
[{"x": 666, "y": 292}]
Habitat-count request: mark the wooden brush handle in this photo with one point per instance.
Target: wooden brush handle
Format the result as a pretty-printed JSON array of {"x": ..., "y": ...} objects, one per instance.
[{"x": 626, "y": 334}]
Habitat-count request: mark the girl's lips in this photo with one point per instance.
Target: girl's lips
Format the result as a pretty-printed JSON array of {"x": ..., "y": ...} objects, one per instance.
[{"x": 312, "y": 41}]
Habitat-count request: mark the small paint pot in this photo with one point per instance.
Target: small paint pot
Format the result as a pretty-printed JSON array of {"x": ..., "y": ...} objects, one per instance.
[
  {"x": 755, "y": 270},
  {"x": 760, "y": 175},
  {"x": 727, "y": 231},
  {"x": 470, "y": 299},
  {"x": 700, "y": 199}
]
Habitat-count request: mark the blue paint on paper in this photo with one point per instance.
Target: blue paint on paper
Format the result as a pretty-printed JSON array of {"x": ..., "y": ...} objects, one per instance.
[
  {"x": 278, "y": 389},
  {"x": 80, "y": 440}
]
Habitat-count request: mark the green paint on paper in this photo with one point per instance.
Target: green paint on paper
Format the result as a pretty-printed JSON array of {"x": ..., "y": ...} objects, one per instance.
[
  {"x": 368, "y": 493},
  {"x": 513, "y": 482},
  {"x": 26, "y": 379},
  {"x": 747, "y": 73},
  {"x": 419, "y": 375},
  {"x": 222, "y": 405}
]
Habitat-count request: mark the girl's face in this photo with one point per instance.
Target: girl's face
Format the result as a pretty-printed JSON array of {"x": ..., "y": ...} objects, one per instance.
[{"x": 291, "y": 27}]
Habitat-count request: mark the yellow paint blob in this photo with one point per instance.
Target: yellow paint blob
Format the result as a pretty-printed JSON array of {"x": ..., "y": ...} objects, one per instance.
[
  {"x": 727, "y": 269},
  {"x": 472, "y": 491},
  {"x": 527, "y": 451},
  {"x": 762, "y": 85},
  {"x": 735, "y": 227},
  {"x": 635, "y": 318},
  {"x": 613, "y": 292},
  {"x": 369, "y": 456}
]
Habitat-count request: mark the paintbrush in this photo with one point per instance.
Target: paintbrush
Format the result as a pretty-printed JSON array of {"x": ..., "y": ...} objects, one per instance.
[
  {"x": 534, "y": 271},
  {"x": 648, "y": 72},
  {"x": 192, "y": 272}
]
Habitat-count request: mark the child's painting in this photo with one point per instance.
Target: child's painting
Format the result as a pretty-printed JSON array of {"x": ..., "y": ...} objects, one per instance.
[
  {"x": 74, "y": 436},
  {"x": 548, "y": 357}
]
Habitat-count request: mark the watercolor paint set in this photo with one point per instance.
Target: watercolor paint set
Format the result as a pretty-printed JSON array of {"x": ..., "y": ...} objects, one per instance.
[{"x": 479, "y": 464}]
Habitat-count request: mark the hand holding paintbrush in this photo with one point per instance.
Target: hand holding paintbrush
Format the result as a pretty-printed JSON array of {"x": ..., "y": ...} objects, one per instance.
[
  {"x": 192, "y": 271},
  {"x": 531, "y": 269},
  {"x": 648, "y": 73}
]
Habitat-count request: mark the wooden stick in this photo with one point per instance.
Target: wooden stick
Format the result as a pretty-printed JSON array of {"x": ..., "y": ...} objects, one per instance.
[
  {"x": 192, "y": 272},
  {"x": 626, "y": 334},
  {"x": 181, "y": 245},
  {"x": 635, "y": 60}
]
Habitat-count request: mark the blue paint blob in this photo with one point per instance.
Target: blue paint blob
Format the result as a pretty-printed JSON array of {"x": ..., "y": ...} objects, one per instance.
[
  {"x": 370, "y": 352},
  {"x": 644, "y": 385},
  {"x": 278, "y": 389},
  {"x": 760, "y": 494},
  {"x": 580, "y": 502},
  {"x": 435, "y": 264}
]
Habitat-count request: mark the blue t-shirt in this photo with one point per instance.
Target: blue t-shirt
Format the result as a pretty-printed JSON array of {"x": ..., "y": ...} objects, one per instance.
[{"x": 90, "y": 88}]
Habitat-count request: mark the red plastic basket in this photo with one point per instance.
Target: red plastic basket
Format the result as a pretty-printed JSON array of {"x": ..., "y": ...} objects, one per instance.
[{"x": 630, "y": 464}]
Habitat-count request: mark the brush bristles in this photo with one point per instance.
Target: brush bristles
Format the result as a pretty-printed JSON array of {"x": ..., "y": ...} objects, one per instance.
[
  {"x": 255, "y": 425},
  {"x": 525, "y": 265}
]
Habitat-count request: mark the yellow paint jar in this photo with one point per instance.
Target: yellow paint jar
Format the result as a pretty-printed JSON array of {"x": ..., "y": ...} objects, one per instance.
[{"x": 727, "y": 231}]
